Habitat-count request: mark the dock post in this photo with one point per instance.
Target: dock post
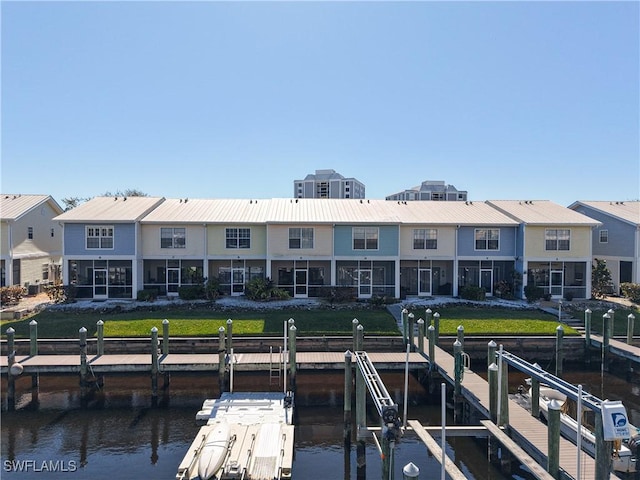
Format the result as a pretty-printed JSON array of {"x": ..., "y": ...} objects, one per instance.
[
  {"x": 405, "y": 328},
  {"x": 221, "y": 357},
  {"x": 431, "y": 338},
  {"x": 427, "y": 317},
  {"x": 410, "y": 335},
  {"x": 460, "y": 336},
  {"x": 492, "y": 376},
  {"x": 491, "y": 352},
  {"x": 603, "y": 451},
  {"x": 612, "y": 331},
  {"x": 457, "y": 389},
  {"x": 436, "y": 325},
  {"x": 11, "y": 381},
  {"x": 348, "y": 384},
  {"x": 100, "y": 334},
  {"x": 587, "y": 336},
  {"x": 421, "y": 335},
  {"x": 503, "y": 413},
  {"x": 354, "y": 324},
  {"x": 83, "y": 362},
  {"x": 630, "y": 324},
  {"x": 535, "y": 395},
  {"x": 553, "y": 439},
  {"x": 154, "y": 363},
  {"x": 292, "y": 357},
  {"x": 33, "y": 351},
  {"x": 559, "y": 350},
  {"x": 606, "y": 337},
  {"x": 229, "y": 335},
  {"x": 165, "y": 351},
  {"x": 361, "y": 413},
  {"x": 165, "y": 337}
]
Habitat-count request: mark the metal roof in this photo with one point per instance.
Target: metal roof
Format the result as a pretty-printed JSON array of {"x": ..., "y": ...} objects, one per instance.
[
  {"x": 626, "y": 211},
  {"x": 541, "y": 212},
  {"x": 331, "y": 210},
  {"x": 111, "y": 209},
  {"x": 13, "y": 206},
  {"x": 450, "y": 213},
  {"x": 178, "y": 210}
]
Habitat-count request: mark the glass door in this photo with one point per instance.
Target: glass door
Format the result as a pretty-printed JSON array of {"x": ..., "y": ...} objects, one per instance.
[
  {"x": 557, "y": 277},
  {"x": 424, "y": 281},
  {"x": 364, "y": 284},
  {"x": 301, "y": 283},
  {"x": 100, "y": 283},
  {"x": 486, "y": 281},
  {"x": 237, "y": 281},
  {"x": 173, "y": 281}
]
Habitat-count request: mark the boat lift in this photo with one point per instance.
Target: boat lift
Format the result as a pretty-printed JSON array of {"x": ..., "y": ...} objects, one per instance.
[{"x": 386, "y": 407}]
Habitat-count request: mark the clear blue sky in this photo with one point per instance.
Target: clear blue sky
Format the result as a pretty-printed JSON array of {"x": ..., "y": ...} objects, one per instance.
[{"x": 507, "y": 100}]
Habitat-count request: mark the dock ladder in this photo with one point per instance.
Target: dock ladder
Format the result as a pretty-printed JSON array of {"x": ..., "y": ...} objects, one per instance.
[{"x": 275, "y": 368}]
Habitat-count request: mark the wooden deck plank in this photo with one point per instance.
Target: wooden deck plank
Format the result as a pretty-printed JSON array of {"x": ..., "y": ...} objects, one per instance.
[{"x": 452, "y": 470}]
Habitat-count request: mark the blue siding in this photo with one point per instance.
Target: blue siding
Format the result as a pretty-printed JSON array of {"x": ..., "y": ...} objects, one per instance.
[
  {"x": 621, "y": 234},
  {"x": 123, "y": 240},
  {"x": 467, "y": 243},
  {"x": 388, "y": 241}
]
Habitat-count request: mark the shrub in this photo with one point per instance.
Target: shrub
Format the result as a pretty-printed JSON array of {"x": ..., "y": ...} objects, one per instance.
[
  {"x": 568, "y": 296},
  {"x": 11, "y": 295},
  {"x": 147, "y": 295},
  {"x": 503, "y": 289},
  {"x": 470, "y": 292},
  {"x": 601, "y": 283},
  {"x": 263, "y": 289},
  {"x": 631, "y": 291},
  {"x": 61, "y": 293},
  {"x": 212, "y": 289},
  {"x": 533, "y": 293},
  {"x": 191, "y": 292}
]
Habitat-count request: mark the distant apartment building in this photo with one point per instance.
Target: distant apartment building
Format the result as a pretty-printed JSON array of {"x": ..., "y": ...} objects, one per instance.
[
  {"x": 328, "y": 184},
  {"x": 430, "y": 190}
]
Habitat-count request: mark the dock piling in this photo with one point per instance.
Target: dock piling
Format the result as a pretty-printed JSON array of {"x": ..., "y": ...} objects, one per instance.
[
  {"x": 492, "y": 377},
  {"x": 229, "y": 335},
  {"x": 553, "y": 439},
  {"x": 436, "y": 326},
  {"x": 82, "y": 333},
  {"x": 421, "y": 335},
  {"x": 100, "y": 334},
  {"x": 427, "y": 317},
  {"x": 11, "y": 378},
  {"x": 348, "y": 384},
  {"x": 292, "y": 357},
  {"x": 354, "y": 325},
  {"x": 559, "y": 350},
  {"x": 630, "y": 324},
  {"x": 33, "y": 351},
  {"x": 457, "y": 390},
  {"x": 405, "y": 328},
  {"x": 587, "y": 336},
  {"x": 154, "y": 362},
  {"x": 410, "y": 335},
  {"x": 165, "y": 337},
  {"x": 221, "y": 357},
  {"x": 431, "y": 338}
]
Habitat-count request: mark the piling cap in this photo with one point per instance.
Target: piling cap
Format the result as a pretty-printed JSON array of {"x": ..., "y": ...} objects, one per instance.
[
  {"x": 428, "y": 311},
  {"x": 99, "y": 322},
  {"x": 355, "y": 321},
  {"x": 631, "y": 316},
  {"x": 229, "y": 321},
  {"x": 588, "y": 310},
  {"x": 33, "y": 323},
  {"x": 404, "y": 310},
  {"x": 436, "y": 315},
  {"x": 492, "y": 343},
  {"x": 221, "y": 330},
  {"x": 411, "y": 315},
  {"x": 420, "y": 321},
  {"x": 411, "y": 470},
  {"x": 154, "y": 329},
  {"x": 165, "y": 322},
  {"x": 431, "y": 327},
  {"x": 82, "y": 330},
  {"x": 10, "y": 330}
]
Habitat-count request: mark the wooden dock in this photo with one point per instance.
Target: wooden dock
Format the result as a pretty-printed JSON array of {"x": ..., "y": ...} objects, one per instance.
[
  {"x": 525, "y": 430},
  {"x": 173, "y": 362},
  {"x": 618, "y": 348}
]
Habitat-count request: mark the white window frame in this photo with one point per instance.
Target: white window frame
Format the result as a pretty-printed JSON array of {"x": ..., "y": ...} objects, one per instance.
[
  {"x": 176, "y": 235},
  {"x": 428, "y": 237},
  {"x": 103, "y": 233},
  {"x": 237, "y": 238},
  {"x": 367, "y": 235},
  {"x": 487, "y": 239},
  {"x": 301, "y": 238},
  {"x": 604, "y": 236},
  {"x": 30, "y": 233},
  {"x": 554, "y": 235}
]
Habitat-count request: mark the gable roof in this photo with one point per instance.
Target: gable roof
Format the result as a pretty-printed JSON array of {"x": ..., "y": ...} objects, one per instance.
[
  {"x": 626, "y": 211},
  {"x": 542, "y": 212},
  {"x": 14, "y": 206},
  {"x": 111, "y": 209},
  {"x": 228, "y": 211}
]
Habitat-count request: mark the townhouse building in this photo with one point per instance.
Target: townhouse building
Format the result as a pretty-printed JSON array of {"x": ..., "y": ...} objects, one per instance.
[
  {"x": 115, "y": 247},
  {"x": 617, "y": 239},
  {"x": 30, "y": 241}
]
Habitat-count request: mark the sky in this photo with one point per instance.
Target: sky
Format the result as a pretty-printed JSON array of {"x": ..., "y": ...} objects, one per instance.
[{"x": 506, "y": 99}]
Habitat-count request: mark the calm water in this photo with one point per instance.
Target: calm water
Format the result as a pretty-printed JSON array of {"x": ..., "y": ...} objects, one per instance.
[{"x": 121, "y": 436}]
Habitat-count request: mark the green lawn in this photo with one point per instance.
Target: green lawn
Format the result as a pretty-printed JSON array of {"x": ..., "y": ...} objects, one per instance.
[{"x": 206, "y": 322}]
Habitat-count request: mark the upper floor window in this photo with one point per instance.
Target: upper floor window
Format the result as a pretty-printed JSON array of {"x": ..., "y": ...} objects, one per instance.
[
  {"x": 301, "y": 237},
  {"x": 437, "y": 196},
  {"x": 30, "y": 233},
  {"x": 557, "y": 239},
  {"x": 172, "y": 238},
  {"x": 53, "y": 232},
  {"x": 425, "y": 238},
  {"x": 604, "y": 236},
  {"x": 99, "y": 237},
  {"x": 487, "y": 238},
  {"x": 365, "y": 238},
  {"x": 238, "y": 238}
]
